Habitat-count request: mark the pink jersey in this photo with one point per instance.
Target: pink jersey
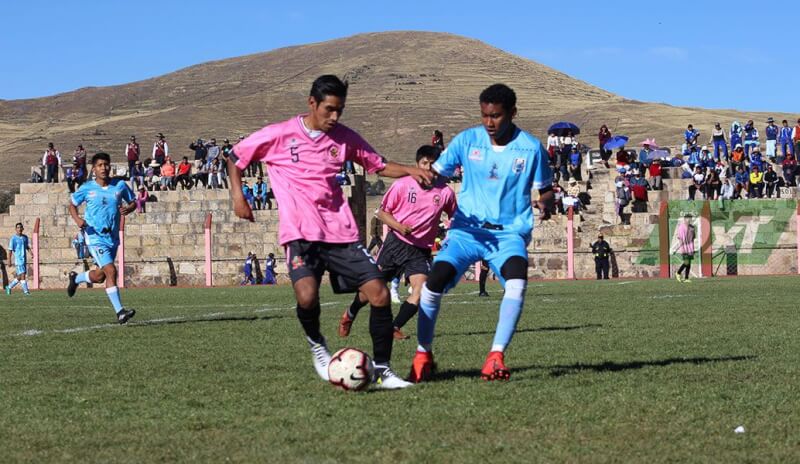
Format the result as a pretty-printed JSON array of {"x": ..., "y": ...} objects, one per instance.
[
  {"x": 302, "y": 172},
  {"x": 419, "y": 208}
]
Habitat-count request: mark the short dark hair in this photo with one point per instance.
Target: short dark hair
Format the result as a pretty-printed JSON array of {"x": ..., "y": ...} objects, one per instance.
[
  {"x": 499, "y": 93},
  {"x": 101, "y": 156},
  {"x": 19, "y": 224},
  {"x": 428, "y": 151},
  {"x": 328, "y": 84}
]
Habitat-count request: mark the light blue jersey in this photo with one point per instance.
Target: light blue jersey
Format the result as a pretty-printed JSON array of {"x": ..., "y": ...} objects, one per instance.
[
  {"x": 102, "y": 210},
  {"x": 497, "y": 182},
  {"x": 19, "y": 245}
]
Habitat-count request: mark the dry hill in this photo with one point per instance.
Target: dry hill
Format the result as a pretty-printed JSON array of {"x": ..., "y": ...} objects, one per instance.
[{"x": 404, "y": 84}]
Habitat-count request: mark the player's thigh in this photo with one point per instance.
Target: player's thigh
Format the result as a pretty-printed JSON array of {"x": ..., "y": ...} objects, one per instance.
[
  {"x": 350, "y": 267},
  {"x": 460, "y": 249},
  {"x": 509, "y": 245},
  {"x": 305, "y": 270}
]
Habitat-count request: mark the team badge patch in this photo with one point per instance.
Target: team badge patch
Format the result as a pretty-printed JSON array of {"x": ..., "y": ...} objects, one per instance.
[
  {"x": 334, "y": 152},
  {"x": 519, "y": 165},
  {"x": 476, "y": 155},
  {"x": 297, "y": 262},
  {"x": 437, "y": 200},
  {"x": 493, "y": 172}
]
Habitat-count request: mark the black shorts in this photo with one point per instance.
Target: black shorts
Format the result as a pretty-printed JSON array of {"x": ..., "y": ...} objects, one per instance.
[
  {"x": 398, "y": 258},
  {"x": 349, "y": 264}
]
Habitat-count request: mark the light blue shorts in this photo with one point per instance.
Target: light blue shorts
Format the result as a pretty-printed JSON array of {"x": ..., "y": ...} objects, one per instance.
[
  {"x": 103, "y": 251},
  {"x": 464, "y": 247},
  {"x": 20, "y": 267}
]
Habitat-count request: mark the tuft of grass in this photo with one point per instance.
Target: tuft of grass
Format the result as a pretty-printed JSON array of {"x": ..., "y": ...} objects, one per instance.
[{"x": 649, "y": 371}]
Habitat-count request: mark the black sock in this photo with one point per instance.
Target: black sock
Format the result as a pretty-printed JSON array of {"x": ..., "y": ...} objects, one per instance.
[
  {"x": 381, "y": 330},
  {"x": 686, "y": 276},
  {"x": 680, "y": 269},
  {"x": 407, "y": 311},
  {"x": 356, "y": 306},
  {"x": 309, "y": 319}
]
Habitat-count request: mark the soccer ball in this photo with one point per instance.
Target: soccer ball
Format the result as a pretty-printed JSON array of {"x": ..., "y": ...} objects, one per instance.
[{"x": 350, "y": 369}]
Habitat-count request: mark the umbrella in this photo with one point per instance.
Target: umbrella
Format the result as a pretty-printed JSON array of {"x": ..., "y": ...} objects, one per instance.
[
  {"x": 651, "y": 142},
  {"x": 561, "y": 129},
  {"x": 656, "y": 154},
  {"x": 615, "y": 142}
]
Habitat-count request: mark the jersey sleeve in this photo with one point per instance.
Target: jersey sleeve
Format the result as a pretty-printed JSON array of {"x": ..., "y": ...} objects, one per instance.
[
  {"x": 450, "y": 159},
  {"x": 127, "y": 193},
  {"x": 542, "y": 175},
  {"x": 450, "y": 203},
  {"x": 79, "y": 196},
  {"x": 255, "y": 147},
  {"x": 392, "y": 198},
  {"x": 365, "y": 155}
]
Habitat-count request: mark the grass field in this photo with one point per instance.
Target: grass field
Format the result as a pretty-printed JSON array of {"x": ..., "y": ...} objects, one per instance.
[{"x": 643, "y": 371}]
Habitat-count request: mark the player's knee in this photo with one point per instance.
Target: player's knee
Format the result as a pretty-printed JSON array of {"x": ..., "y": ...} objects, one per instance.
[
  {"x": 515, "y": 267},
  {"x": 307, "y": 299},
  {"x": 441, "y": 274},
  {"x": 377, "y": 294}
]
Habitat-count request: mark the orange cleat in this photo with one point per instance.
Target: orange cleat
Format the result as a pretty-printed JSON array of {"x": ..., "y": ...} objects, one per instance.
[
  {"x": 344, "y": 325},
  {"x": 398, "y": 334},
  {"x": 422, "y": 367},
  {"x": 494, "y": 368}
]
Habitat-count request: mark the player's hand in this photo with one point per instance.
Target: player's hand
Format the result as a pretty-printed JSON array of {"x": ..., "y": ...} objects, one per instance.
[
  {"x": 81, "y": 223},
  {"x": 127, "y": 209},
  {"x": 404, "y": 229},
  {"x": 544, "y": 213},
  {"x": 242, "y": 208},
  {"x": 423, "y": 177}
]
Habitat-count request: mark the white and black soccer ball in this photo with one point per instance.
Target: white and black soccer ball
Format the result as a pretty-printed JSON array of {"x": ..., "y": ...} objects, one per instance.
[{"x": 350, "y": 369}]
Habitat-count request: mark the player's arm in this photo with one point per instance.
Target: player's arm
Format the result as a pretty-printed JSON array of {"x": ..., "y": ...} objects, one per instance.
[
  {"x": 240, "y": 205},
  {"x": 546, "y": 202},
  {"x": 388, "y": 219},
  {"x": 395, "y": 170},
  {"x": 73, "y": 211}
]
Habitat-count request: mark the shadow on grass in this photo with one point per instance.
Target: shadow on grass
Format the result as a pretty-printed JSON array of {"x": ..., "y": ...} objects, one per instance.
[
  {"x": 608, "y": 366},
  {"x": 564, "y": 328},
  {"x": 202, "y": 320}
]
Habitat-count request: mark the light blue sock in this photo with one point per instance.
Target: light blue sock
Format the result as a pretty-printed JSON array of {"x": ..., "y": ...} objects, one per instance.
[
  {"x": 25, "y": 286},
  {"x": 13, "y": 284},
  {"x": 113, "y": 295},
  {"x": 429, "y": 303},
  {"x": 82, "y": 278},
  {"x": 510, "y": 310}
]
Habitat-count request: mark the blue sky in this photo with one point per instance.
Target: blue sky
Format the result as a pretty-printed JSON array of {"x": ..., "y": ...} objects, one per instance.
[{"x": 712, "y": 54}]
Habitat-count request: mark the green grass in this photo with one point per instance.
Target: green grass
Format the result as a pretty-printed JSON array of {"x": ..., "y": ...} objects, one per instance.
[{"x": 647, "y": 371}]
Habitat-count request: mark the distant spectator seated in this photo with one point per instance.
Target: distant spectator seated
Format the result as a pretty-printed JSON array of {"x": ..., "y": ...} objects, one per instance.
[
  {"x": 655, "y": 174},
  {"x": 575, "y": 163},
  {"x": 756, "y": 159},
  {"x": 737, "y": 156},
  {"x": 152, "y": 176},
  {"x": 572, "y": 196},
  {"x": 789, "y": 166},
  {"x": 558, "y": 195},
  {"x": 261, "y": 194},
  {"x": 137, "y": 175},
  {"x": 141, "y": 199},
  {"x": 756, "y": 183},
  {"x": 639, "y": 186},
  {"x": 693, "y": 157},
  {"x": 623, "y": 195},
  {"x": 269, "y": 271},
  {"x": 184, "y": 174},
  {"x": 742, "y": 182},
  {"x": 713, "y": 184},
  {"x": 248, "y": 195},
  {"x": 380, "y": 187},
  {"x": 727, "y": 192},
  {"x": 698, "y": 183},
  {"x": 772, "y": 182},
  {"x": 686, "y": 171},
  {"x": 75, "y": 176},
  {"x": 168, "y": 175},
  {"x": 622, "y": 157}
]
